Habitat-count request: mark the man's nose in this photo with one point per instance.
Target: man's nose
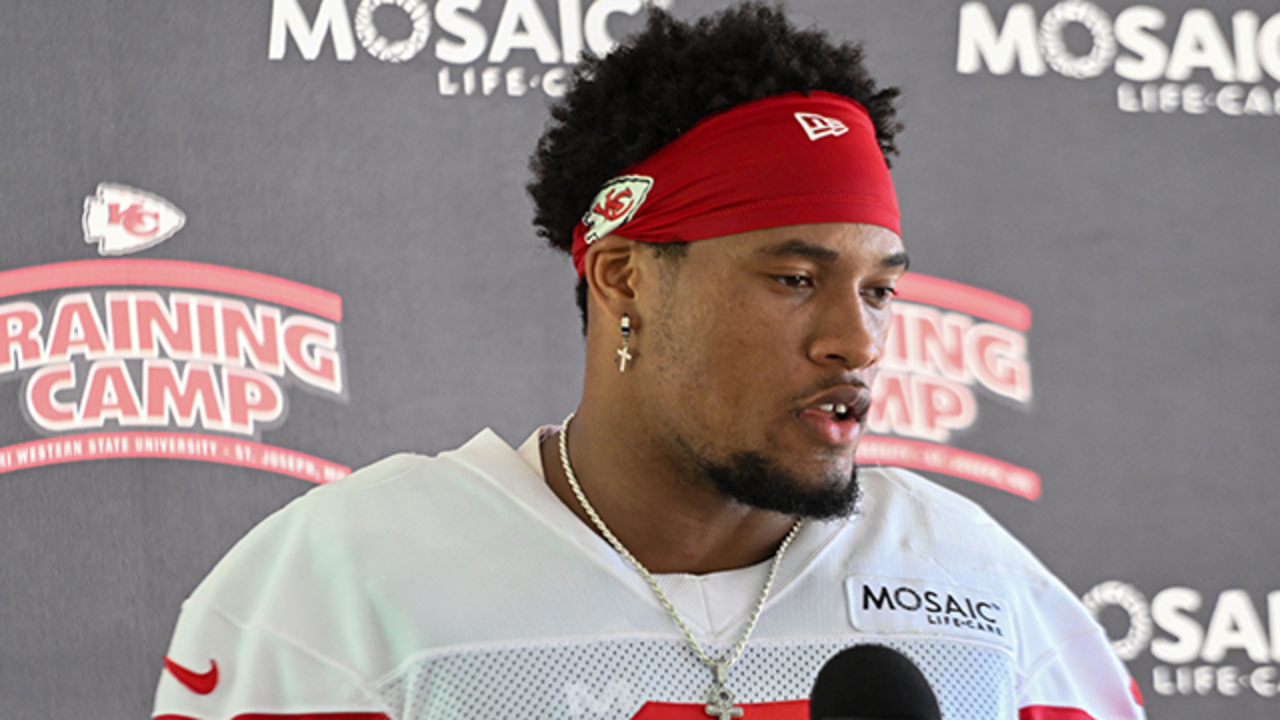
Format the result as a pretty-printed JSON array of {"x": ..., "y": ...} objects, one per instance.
[{"x": 847, "y": 334}]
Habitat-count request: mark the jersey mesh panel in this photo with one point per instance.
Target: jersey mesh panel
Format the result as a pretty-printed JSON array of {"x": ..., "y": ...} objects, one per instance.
[{"x": 612, "y": 679}]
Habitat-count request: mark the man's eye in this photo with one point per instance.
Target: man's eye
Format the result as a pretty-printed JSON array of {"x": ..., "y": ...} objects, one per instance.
[
  {"x": 795, "y": 281},
  {"x": 881, "y": 295}
]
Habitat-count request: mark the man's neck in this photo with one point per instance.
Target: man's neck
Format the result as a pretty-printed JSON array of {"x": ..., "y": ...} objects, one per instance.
[{"x": 670, "y": 518}]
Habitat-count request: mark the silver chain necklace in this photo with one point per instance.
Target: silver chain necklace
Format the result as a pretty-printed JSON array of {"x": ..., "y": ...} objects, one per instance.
[{"x": 720, "y": 699}]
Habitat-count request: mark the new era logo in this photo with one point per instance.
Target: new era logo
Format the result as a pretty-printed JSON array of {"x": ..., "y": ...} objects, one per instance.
[
  {"x": 122, "y": 220},
  {"x": 819, "y": 126}
]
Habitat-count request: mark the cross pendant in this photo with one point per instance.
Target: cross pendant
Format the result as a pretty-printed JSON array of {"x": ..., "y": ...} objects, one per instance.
[
  {"x": 720, "y": 700},
  {"x": 623, "y": 356}
]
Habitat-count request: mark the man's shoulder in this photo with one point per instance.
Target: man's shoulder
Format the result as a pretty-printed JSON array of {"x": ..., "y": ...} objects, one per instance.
[
  {"x": 388, "y": 507},
  {"x": 924, "y": 533},
  {"x": 479, "y": 471},
  {"x": 946, "y": 527},
  {"x": 894, "y": 485},
  {"x": 485, "y": 454}
]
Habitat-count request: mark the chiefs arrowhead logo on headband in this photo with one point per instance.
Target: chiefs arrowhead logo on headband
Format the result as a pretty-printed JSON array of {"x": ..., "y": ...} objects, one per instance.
[
  {"x": 749, "y": 168},
  {"x": 615, "y": 204}
]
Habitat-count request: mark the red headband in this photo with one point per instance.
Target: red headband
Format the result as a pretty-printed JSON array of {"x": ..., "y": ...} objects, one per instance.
[{"x": 785, "y": 160}]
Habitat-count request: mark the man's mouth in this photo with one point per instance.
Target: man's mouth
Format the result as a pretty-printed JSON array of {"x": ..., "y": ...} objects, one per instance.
[
  {"x": 845, "y": 403},
  {"x": 839, "y": 414},
  {"x": 839, "y": 411}
]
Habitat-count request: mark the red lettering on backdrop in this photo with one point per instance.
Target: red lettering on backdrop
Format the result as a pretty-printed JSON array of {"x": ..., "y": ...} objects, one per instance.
[
  {"x": 936, "y": 341},
  {"x": 110, "y": 394},
  {"x": 937, "y": 351},
  {"x": 208, "y": 331},
  {"x": 249, "y": 345},
  {"x": 119, "y": 325},
  {"x": 76, "y": 329},
  {"x": 166, "y": 392},
  {"x": 251, "y": 397},
  {"x": 893, "y": 405},
  {"x": 947, "y": 460},
  {"x": 170, "y": 445},
  {"x": 142, "y": 324},
  {"x": 943, "y": 405},
  {"x": 1000, "y": 364},
  {"x": 173, "y": 323},
  {"x": 310, "y": 351},
  {"x": 42, "y": 390},
  {"x": 923, "y": 406},
  {"x": 260, "y": 338},
  {"x": 20, "y": 325},
  {"x": 247, "y": 396},
  {"x": 205, "y": 359}
]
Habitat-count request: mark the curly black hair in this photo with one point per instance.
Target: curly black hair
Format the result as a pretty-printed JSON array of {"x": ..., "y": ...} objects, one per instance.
[{"x": 622, "y": 108}]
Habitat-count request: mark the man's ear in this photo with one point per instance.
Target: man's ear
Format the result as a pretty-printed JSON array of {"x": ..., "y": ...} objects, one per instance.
[{"x": 612, "y": 271}]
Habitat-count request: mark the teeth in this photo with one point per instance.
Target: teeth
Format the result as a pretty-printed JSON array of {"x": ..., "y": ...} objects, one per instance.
[{"x": 839, "y": 409}]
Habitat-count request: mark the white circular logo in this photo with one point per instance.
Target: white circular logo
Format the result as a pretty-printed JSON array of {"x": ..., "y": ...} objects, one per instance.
[
  {"x": 393, "y": 51},
  {"x": 1132, "y": 601},
  {"x": 1096, "y": 21}
]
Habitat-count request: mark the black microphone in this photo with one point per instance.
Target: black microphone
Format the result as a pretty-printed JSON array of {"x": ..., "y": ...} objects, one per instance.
[{"x": 872, "y": 682}]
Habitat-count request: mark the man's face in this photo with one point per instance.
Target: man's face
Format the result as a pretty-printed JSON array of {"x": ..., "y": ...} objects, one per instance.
[{"x": 760, "y": 352}]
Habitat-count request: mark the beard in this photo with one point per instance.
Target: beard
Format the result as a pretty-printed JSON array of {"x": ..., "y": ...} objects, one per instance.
[{"x": 756, "y": 481}]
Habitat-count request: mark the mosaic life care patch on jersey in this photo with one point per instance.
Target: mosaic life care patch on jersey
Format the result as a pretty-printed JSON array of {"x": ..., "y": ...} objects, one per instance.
[{"x": 923, "y": 607}]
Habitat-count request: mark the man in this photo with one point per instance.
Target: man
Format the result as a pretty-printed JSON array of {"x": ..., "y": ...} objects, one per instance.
[{"x": 696, "y": 540}]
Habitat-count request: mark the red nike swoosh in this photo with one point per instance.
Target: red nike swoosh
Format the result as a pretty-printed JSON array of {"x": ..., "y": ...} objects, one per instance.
[{"x": 198, "y": 683}]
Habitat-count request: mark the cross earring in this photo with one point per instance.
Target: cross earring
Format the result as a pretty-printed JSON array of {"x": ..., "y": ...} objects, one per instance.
[{"x": 624, "y": 353}]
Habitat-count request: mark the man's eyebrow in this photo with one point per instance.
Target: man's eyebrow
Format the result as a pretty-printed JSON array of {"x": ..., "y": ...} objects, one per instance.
[
  {"x": 818, "y": 252},
  {"x": 801, "y": 248},
  {"x": 896, "y": 260}
]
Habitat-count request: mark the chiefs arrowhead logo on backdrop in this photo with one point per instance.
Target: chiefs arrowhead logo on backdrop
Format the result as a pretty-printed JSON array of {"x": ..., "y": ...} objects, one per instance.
[
  {"x": 125, "y": 220},
  {"x": 820, "y": 126},
  {"x": 615, "y": 204}
]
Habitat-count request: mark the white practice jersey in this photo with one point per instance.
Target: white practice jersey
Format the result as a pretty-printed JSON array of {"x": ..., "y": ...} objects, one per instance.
[{"x": 460, "y": 587}]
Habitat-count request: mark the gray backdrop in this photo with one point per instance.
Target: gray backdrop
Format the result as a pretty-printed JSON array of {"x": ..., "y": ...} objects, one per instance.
[{"x": 1113, "y": 167}]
